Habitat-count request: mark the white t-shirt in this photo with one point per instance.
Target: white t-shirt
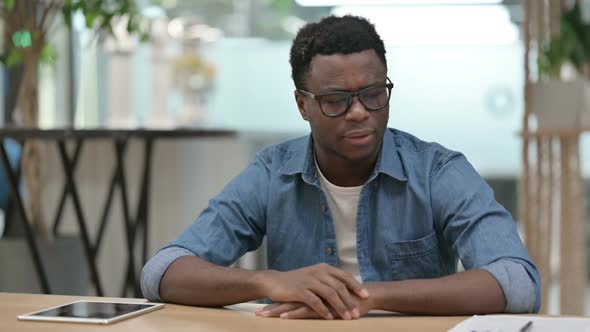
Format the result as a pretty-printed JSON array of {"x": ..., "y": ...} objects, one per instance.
[{"x": 343, "y": 203}]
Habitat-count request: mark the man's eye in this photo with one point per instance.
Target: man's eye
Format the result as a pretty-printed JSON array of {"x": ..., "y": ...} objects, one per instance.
[
  {"x": 374, "y": 93},
  {"x": 334, "y": 99}
]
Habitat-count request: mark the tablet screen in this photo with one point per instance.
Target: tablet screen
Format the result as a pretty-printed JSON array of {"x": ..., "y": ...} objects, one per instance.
[{"x": 92, "y": 312}]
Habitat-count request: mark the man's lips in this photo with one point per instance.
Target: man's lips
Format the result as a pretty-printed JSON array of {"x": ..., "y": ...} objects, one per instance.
[
  {"x": 359, "y": 137},
  {"x": 358, "y": 133}
]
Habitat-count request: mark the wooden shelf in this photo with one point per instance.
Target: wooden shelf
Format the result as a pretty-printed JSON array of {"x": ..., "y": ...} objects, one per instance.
[{"x": 554, "y": 132}]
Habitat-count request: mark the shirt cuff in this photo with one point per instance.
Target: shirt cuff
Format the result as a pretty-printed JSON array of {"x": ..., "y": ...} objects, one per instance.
[
  {"x": 154, "y": 270},
  {"x": 516, "y": 284}
]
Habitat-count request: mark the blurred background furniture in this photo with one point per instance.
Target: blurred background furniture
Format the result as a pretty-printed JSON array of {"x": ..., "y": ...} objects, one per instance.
[
  {"x": 13, "y": 153},
  {"x": 557, "y": 54},
  {"x": 136, "y": 223}
]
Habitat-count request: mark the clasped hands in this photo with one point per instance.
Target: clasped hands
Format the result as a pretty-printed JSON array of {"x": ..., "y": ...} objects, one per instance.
[{"x": 317, "y": 291}]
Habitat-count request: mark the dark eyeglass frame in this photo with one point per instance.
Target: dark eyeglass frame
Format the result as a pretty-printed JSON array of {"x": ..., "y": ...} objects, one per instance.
[{"x": 350, "y": 96}]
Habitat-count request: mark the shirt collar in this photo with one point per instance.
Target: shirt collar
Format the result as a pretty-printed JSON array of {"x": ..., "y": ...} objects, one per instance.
[
  {"x": 389, "y": 159},
  {"x": 303, "y": 160}
]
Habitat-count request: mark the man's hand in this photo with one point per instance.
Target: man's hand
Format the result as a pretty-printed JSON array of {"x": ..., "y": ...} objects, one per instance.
[
  {"x": 295, "y": 310},
  {"x": 319, "y": 287}
]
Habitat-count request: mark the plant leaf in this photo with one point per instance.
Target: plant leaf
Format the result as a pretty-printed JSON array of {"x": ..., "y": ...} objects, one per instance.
[
  {"x": 14, "y": 58},
  {"x": 282, "y": 6},
  {"x": 132, "y": 25},
  {"x": 22, "y": 38},
  {"x": 100, "y": 15},
  {"x": 47, "y": 54},
  {"x": 90, "y": 18},
  {"x": 67, "y": 13},
  {"x": 144, "y": 37},
  {"x": 572, "y": 45},
  {"x": 9, "y": 4}
]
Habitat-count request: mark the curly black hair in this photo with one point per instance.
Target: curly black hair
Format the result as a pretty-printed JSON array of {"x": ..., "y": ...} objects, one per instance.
[{"x": 347, "y": 34}]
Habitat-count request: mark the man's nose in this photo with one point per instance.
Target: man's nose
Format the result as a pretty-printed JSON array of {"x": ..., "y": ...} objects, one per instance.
[{"x": 357, "y": 111}]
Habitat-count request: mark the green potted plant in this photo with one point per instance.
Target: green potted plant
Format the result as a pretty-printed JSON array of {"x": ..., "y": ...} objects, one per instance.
[
  {"x": 27, "y": 23},
  {"x": 561, "y": 97}
]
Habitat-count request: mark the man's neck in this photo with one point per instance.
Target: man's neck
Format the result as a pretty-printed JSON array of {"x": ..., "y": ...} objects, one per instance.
[{"x": 347, "y": 173}]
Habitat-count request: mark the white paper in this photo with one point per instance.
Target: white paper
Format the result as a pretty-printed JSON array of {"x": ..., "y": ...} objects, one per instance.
[{"x": 513, "y": 323}]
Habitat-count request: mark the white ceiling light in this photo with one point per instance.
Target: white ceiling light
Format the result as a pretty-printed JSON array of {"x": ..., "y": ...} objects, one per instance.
[{"x": 321, "y": 3}]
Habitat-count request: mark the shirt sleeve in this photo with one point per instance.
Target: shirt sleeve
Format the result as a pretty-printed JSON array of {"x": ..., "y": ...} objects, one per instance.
[
  {"x": 154, "y": 270},
  {"x": 233, "y": 223},
  {"x": 516, "y": 282},
  {"x": 481, "y": 233}
]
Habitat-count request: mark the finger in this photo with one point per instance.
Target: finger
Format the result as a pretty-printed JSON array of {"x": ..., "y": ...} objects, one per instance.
[
  {"x": 268, "y": 307},
  {"x": 304, "y": 312},
  {"x": 315, "y": 303},
  {"x": 350, "y": 282},
  {"x": 356, "y": 313},
  {"x": 277, "y": 310},
  {"x": 346, "y": 296},
  {"x": 331, "y": 296}
]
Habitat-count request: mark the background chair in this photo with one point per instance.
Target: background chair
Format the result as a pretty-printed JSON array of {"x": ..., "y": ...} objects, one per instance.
[{"x": 14, "y": 151}]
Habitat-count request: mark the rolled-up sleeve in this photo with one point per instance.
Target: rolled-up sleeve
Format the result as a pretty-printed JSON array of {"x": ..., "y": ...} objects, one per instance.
[
  {"x": 517, "y": 285},
  {"x": 481, "y": 233},
  {"x": 154, "y": 270}
]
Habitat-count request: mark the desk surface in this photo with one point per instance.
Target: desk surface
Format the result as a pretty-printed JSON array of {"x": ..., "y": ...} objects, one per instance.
[{"x": 183, "y": 318}]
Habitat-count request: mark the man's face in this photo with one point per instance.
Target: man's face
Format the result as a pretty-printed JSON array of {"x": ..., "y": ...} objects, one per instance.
[{"x": 356, "y": 135}]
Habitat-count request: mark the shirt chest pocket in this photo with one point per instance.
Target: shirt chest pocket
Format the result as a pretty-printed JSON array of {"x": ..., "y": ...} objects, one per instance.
[{"x": 416, "y": 259}]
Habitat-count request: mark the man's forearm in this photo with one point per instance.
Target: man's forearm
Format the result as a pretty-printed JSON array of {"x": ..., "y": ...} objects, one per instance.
[
  {"x": 466, "y": 293},
  {"x": 191, "y": 280}
]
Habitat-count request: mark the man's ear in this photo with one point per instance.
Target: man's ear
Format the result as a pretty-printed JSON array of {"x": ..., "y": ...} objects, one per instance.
[{"x": 300, "y": 100}]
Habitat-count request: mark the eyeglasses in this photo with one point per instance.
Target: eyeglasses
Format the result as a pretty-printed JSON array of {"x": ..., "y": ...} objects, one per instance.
[{"x": 334, "y": 104}]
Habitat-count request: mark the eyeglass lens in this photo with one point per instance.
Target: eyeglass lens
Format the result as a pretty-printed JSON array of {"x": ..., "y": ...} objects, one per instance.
[{"x": 372, "y": 98}]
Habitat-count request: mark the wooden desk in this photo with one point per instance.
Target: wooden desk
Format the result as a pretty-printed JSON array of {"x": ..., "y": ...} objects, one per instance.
[{"x": 182, "y": 318}]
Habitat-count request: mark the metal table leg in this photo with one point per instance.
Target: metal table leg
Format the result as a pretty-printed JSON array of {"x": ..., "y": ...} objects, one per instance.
[
  {"x": 145, "y": 196},
  {"x": 31, "y": 241},
  {"x": 88, "y": 248},
  {"x": 106, "y": 209},
  {"x": 66, "y": 191},
  {"x": 129, "y": 224},
  {"x": 141, "y": 223}
]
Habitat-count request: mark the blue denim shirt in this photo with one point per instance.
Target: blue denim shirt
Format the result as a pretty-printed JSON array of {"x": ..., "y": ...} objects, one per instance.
[{"x": 423, "y": 208}]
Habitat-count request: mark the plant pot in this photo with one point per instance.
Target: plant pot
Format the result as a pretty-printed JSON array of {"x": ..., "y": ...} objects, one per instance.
[
  {"x": 560, "y": 105},
  {"x": 63, "y": 260}
]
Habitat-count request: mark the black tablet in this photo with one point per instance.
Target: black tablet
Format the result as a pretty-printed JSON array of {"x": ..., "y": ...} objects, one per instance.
[{"x": 91, "y": 312}]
